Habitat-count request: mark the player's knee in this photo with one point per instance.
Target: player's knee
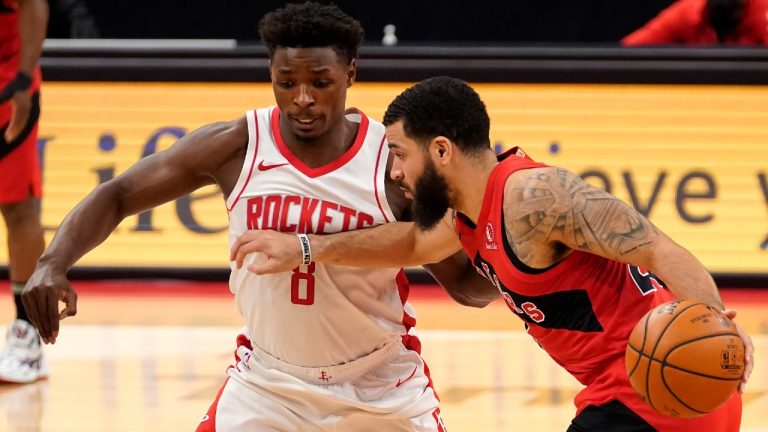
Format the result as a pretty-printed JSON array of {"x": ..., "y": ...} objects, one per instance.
[{"x": 19, "y": 213}]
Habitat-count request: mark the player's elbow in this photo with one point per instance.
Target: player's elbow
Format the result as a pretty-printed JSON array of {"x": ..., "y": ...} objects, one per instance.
[
  {"x": 465, "y": 297},
  {"x": 472, "y": 301}
]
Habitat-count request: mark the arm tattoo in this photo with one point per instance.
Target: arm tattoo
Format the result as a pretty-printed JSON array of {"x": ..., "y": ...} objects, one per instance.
[{"x": 555, "y": 205}]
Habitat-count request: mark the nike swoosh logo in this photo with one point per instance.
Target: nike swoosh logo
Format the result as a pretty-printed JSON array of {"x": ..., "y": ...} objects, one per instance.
[
  {"x": 205, "y": 418},
  {"x": 399, "y": 382},
  {"x": 263, "y": 167}
]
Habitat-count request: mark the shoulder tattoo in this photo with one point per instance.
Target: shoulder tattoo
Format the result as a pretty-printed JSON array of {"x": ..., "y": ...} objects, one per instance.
[{"x": 554, "y": 204}]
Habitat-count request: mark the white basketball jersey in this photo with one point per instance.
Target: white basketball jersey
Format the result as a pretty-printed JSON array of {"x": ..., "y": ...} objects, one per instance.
[{"x": 318, "y": 314}]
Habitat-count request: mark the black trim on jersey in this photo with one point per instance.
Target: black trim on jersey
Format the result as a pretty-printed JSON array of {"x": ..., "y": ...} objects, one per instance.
[
  {"x": 520, "y": 265},
  {"x": 568, "y": 310},
  {"x": 644, "y": 281},
  {"x": 466, "y": 220},
  {"x": 34, "y": 114}
]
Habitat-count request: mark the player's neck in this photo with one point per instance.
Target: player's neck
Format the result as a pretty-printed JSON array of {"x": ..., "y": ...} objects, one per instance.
[
  {"x": 470, "y": 182},
  {"x": 324, "y": 149}
]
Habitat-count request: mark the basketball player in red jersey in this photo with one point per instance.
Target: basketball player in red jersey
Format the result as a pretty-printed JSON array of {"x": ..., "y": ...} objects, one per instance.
[
  {"x": 325, "y": 347},
  {"x": 22, "y": 31},
  {"x": 576, "y": 264}
]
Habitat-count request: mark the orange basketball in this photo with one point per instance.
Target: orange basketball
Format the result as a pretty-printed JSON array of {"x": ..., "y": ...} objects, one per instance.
[{"x": 684, "y": 358}]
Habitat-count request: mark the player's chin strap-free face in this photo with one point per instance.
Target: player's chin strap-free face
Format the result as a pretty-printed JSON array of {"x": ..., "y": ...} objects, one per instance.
[{"x": 21, "y": 82}]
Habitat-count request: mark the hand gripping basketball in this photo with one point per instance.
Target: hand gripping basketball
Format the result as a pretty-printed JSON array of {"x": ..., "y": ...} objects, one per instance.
[{"x": 685, "y": 359}]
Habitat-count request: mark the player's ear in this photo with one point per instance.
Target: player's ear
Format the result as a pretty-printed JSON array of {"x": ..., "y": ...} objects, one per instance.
[
  {"x": 441, "y": 150},
  {"x": 351, "y": 72}
]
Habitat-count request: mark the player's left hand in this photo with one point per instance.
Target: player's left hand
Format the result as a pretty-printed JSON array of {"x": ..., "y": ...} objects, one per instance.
[
  {"x": 282, "y": 251},
  {"x": 749, "y": 350},
  {"x": 41, "y": 296},
  {"x": 17, "y": 92},
  {"x": 21, "y": 105}
]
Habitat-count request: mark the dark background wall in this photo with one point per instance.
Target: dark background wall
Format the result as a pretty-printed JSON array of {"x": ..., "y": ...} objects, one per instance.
[{"x": 417, "y": 21}]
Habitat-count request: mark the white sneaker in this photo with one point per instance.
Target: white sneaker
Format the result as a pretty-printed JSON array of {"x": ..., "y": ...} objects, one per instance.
[{"x": 22, "y": 359}]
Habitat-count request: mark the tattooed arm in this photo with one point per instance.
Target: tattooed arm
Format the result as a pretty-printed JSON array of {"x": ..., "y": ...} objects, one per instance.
[{"x": 550, "y": 211}]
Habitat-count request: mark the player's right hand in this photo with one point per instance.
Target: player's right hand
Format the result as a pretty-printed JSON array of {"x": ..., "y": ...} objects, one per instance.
[
  {"x": 282, "y": 251},
  {"x": 41, "y": 296},
  {"x": 749, "y": 350}
]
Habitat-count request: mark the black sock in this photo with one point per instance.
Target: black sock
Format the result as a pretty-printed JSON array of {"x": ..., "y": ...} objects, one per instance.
[{"x": 21, "y": 313}]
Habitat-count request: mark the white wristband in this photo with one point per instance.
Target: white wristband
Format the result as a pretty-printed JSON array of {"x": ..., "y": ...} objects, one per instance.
[{"x": 306, "y": 250}]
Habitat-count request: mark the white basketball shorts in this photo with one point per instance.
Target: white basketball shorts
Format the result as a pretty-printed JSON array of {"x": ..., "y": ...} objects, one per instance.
[{"x": 388, "y": 390}]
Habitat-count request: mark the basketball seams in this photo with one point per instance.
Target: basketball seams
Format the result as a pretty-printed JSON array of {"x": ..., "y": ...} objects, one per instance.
[
  {"x": 692, "y": 372},
  {"x": 682, "y": 369},
  {"x": 665, "y": 363},
  {"x": 659, "y": 337},
  {"x": 640, "y": 351},
  {"x": 664, "y": 381},
  {"x": 691, "y": 376}
]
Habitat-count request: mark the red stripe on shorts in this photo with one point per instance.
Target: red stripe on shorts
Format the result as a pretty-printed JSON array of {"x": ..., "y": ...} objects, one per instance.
[{"x": 208, "y": 423}]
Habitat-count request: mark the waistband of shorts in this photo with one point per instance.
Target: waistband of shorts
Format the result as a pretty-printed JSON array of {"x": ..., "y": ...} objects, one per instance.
[{"x": 325, "y": 375}]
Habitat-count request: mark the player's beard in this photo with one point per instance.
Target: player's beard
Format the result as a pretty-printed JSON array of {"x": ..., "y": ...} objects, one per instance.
[{"x": 430, "y": 198}]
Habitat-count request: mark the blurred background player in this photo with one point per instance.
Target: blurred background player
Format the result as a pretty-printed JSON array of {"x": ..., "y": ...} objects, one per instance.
[
  {"x": 706, "y": 22},
  {"x": 22, "y": 31}
]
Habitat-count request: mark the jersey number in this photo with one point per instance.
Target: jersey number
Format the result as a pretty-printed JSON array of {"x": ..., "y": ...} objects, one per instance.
[
  {"x": 303, "y": 280},
  {"x": 644, "y": 280}
]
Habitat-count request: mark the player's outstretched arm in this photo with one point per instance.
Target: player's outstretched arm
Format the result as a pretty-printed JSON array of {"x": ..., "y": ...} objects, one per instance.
[
  {"x": 189, "y": 164},
  {"x": 397, "y": 244},
  {"x": 553, "y": 206}
]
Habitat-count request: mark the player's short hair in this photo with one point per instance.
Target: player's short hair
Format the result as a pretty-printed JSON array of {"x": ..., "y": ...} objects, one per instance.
[
  {"x": 310, "y": 25},
  {"x": 442, "y": 106}
]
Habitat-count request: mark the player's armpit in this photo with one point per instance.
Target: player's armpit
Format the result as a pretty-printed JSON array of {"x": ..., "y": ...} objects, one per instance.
[
  {"x": 552, "y": 205},
  {"x": 462, "y": 282}
]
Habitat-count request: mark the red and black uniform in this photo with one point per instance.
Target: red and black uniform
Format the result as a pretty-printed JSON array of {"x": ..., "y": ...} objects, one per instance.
[
  {"x": 580, "y": 310},
  {"x": 687, "y": 22},
  {"x": 19, "y": 167}
]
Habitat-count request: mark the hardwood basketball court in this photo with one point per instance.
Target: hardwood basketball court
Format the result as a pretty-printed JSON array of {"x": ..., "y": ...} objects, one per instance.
[{"x": 150, "y": 356}]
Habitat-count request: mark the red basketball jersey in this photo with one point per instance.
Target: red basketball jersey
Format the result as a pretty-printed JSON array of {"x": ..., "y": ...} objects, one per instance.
[
  {"x": 10, "y": 44},
  {"x": 580, "y": 310},
  {"x": 9, "y": 34}
]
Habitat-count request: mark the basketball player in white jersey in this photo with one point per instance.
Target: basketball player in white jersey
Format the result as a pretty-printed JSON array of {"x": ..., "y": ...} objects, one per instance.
[{"x": 326, "y": 347}]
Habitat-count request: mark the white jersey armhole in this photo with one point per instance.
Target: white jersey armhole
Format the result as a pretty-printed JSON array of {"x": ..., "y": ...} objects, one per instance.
[
  {"x": 380, "y": 179},
  {"x": 249, "y": 161}
]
